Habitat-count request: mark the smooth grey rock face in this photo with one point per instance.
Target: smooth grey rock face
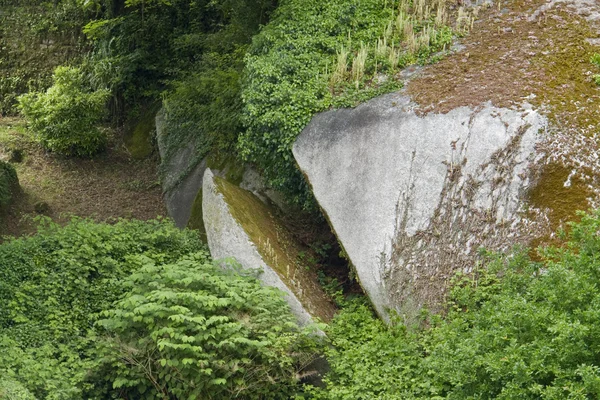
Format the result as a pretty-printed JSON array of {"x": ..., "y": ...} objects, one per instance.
[
  {"x": 179, "y": 193},
  {"x": 227, "y": 238},
  {"x": 411, "y": 198},
  {"x": 181, "y": 188}
]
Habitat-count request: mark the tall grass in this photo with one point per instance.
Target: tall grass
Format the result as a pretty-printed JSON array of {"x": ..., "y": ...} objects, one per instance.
[{"x": 413, "y": 28}]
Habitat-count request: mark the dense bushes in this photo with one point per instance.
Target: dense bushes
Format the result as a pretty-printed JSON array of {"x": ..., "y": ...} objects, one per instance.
[
  {"x": 54, "y": 283},
  {"x": 518, "y": 330},
  {"x": 8, "y": 183},
  {"x": 163, "y": 305},
  {"x": 66, "y": 116},
  {"x": 35, "y": 38},
  {"x": 194, "y": 330}
]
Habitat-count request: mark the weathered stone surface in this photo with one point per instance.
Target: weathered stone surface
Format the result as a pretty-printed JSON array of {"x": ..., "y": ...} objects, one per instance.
[
  {"x": 241, "y": 226},
  {"x": 411, "y": 198},
  {"x": 181, "y": 180}
]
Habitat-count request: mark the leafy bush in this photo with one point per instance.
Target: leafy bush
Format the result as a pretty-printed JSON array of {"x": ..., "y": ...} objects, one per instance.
[
  {"x": 65, "y": 117},
  {"x": 53, "y": 285},
  {"x": 8, "y": 183},
  {"x": 35, "y": 38},
  {"x": 172, "y": 323},
  {"x": 194, "y": 330},
  {"x": 205, "y": 109},
  {"x": 12, "y": 390},
  {"x": 517, "y": 330}
]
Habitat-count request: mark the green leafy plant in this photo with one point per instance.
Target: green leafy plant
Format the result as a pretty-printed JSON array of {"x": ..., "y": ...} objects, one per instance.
[
  {"x": 516, "y": 329},
  {"x": 195, "y": 330},
  {"x": 66, "y": 116},
  {"x": 53, "y": 285}
]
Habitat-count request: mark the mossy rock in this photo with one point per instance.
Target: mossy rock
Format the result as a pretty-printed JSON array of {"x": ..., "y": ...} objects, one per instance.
[
  {"x": 240, "y": 225},
  {"x": 196, "y": 220},
  {"x": 138, "y": 139}
]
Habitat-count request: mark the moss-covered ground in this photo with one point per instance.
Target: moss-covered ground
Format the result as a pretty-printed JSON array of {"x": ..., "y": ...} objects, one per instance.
[{"x": 140, "y": 136}]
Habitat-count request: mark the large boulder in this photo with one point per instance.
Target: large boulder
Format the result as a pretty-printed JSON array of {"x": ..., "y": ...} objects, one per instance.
[
  {"x": 413, "y": 197},
  {"x": 181, "y": 174},
  {"x": 241, "y": 226}
]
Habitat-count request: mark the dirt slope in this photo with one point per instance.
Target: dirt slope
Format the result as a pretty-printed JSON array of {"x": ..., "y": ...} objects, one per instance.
[{"x": 112, "y": 185}]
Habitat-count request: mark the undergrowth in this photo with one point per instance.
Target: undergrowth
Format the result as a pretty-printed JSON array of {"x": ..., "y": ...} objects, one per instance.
[
  {"x": 517, "y": 329},
  {"x": 9, "y": 183},
  {"x": 139, "y": 310}
]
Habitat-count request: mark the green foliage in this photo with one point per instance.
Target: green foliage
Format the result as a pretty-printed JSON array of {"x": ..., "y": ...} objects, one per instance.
[
  {"x": 9, "y": 183},
  {"x": 517, "y": 329},
  {"x": 35, "y": 38},
  {"x": 12, "y": 390},
  {"x": 369, "y": 359},
  {"x": 194, "y": 330},
  {"x": 54, "y": 284},
  {"x": 203, "y": 109},
  {"x": 289, "y": 73},
  {"x": 203, "y": 105},
  {"x": 138, "y": 310},
  {"x": 66, "y": 116}
]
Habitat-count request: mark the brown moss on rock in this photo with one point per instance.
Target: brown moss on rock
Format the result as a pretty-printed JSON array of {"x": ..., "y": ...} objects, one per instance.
[
  {"x": 536, "y": 52},
  {"x": 277, "y": 247},
  {"x": 561, "y": 192}
]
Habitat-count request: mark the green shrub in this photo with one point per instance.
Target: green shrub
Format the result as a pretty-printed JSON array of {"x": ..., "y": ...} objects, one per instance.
[
  {"x": 53, "y": 285},
  {"x": 518, "y": 329},
  {"x": 66, "y": 116},
  {"x": 171, "y": 320},
  {"x": 13, "y": 390},
  {"x": 205, "y": 109},
  {"x": 9, "y": 183},
  {"x": 193, "y": 330}
]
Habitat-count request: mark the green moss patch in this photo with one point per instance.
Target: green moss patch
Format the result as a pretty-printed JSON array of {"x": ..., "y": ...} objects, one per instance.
[
  {"x": 196, "y": 220},
  {"x": 277, "y": 247},
  {"x": 232, "y": 168},
  {"x": 138, "y": 139}
]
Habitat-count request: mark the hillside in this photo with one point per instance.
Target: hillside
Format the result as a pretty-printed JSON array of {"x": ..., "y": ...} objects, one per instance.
[{"x": 297, "y": 199}]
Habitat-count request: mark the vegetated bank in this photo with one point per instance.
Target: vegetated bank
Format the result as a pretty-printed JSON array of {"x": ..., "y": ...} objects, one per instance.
[
  {"x": 515, "y": 328},
  {"x": 139, "y": 310}
]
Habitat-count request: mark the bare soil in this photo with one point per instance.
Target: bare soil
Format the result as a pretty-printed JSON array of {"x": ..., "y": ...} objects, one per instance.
[{"x": 110, "y": 186}]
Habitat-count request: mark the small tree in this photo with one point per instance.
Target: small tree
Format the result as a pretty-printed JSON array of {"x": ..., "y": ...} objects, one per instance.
[{"x": 65, "y": 118}]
